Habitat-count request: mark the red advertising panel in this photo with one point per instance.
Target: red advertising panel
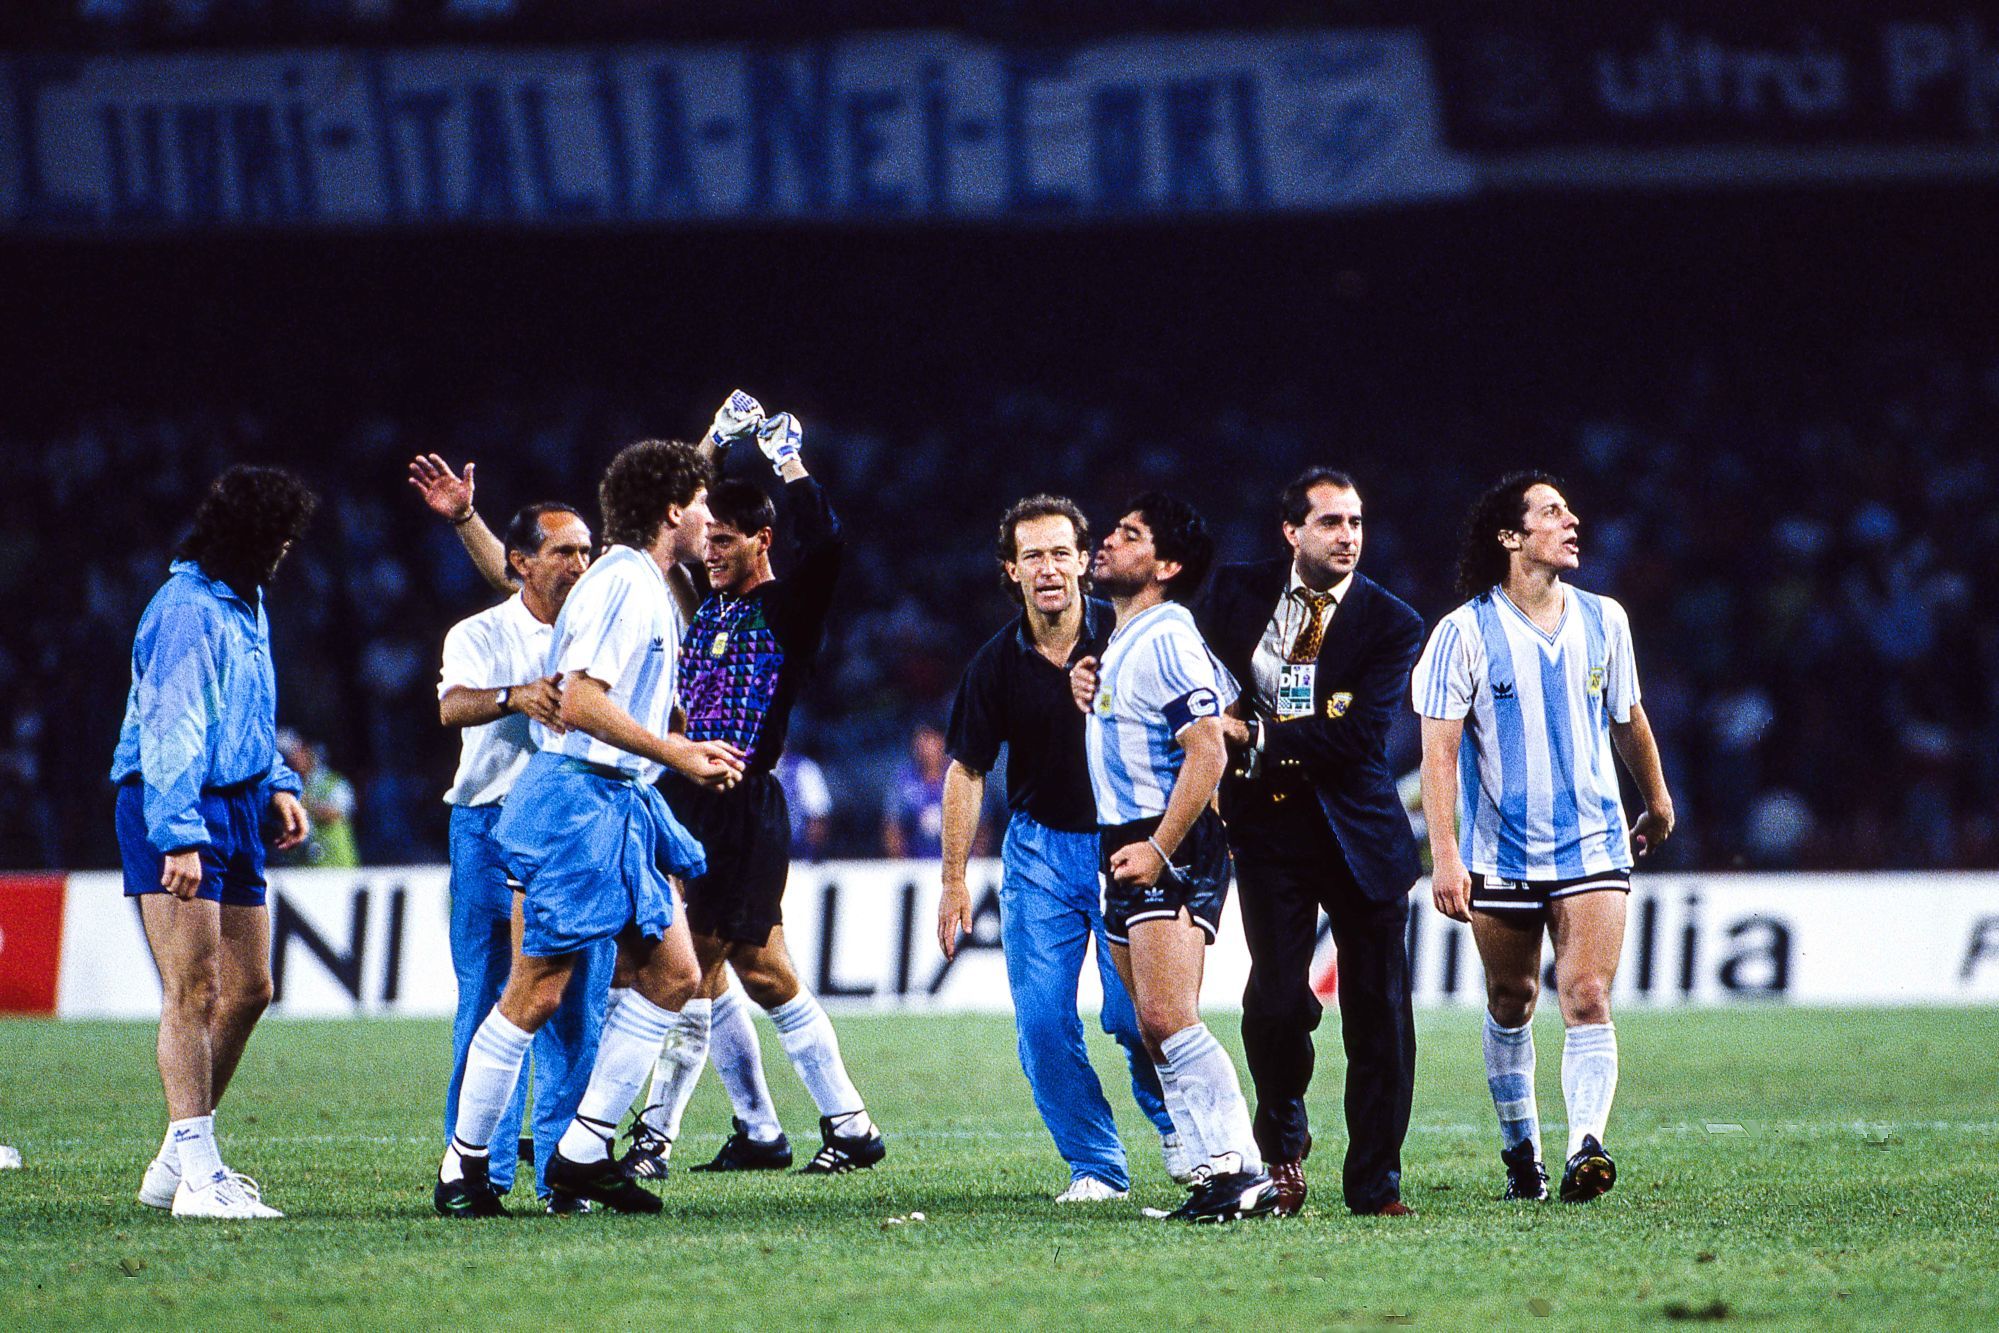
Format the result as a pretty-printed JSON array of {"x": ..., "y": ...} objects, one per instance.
[{"x": 30, "y": 942}]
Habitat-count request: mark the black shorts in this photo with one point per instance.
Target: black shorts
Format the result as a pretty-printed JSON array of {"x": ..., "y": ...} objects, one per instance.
[
  {"x": 1196, "y": 879},
  {"x": 746, "y": 833},
  {"x": 1527, "y": 899}
]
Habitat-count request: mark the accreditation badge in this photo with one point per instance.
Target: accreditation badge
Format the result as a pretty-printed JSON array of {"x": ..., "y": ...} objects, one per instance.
[
  {"x": 1295, "y": 686},
  {"x": 720, "y": 645}
]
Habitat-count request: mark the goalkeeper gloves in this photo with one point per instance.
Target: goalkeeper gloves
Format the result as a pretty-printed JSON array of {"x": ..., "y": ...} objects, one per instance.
[
  {"x": 736, "y": 418},
  {"x": 779, "y": 438}
]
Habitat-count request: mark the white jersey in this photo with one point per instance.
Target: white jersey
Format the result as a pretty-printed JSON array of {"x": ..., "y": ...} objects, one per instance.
[
  {"x": 503, "y": 645},
  {"x": 620, "y": 627},
  {"x": 1156, "y": 678},
  {"x": 1537, "y": 777}
]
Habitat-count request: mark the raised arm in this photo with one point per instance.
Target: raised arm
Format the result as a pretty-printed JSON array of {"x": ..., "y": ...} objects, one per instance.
[{"x": 450, "y": 498}]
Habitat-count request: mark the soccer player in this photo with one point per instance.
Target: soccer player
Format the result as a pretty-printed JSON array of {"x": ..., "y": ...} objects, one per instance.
[
  {"x": 592, "y": 843},
  {"x": 748, "y": 651},
  {"x": 491, "y": 685},
  {"x": 1155, "y": 744},
  {"x": 1016, "y": 693},
  {"x": 197, "y": 765},
  {"x": 1524, "y": 691},
  {"x": 1314, "y": 821}
]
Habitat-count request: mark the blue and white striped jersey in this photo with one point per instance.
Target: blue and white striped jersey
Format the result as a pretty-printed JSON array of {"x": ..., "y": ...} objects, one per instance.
[
  {"x": 1157, "y": 676},
  {"x": 620, "y": 627},
  {"x": 1537, "y": 779}
]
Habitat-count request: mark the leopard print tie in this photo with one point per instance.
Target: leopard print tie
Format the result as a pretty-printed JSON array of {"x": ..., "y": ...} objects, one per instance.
[{"x": 1306, "y": 649}]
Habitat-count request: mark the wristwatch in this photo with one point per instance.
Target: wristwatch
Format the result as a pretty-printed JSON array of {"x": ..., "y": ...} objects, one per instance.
[{"x": 505, "y": 691}]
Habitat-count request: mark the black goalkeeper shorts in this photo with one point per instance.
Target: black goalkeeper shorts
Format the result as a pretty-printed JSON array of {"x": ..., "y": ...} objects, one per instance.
[{"x": 746, "y": 832}]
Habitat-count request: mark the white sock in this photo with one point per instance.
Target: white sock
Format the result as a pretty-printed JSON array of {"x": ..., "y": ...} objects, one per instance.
[
  {"x": 194, "y": 1140},
  {"x": 808, "y": 1039},
  {"x": 169, "y": 1150},
  {"x": 1589, "y": 1079},
  {"x": 492, "y": 1068},
  {"x": 1183, "y": 1123},
  {"x": 678, "y": 1069},
  {"x": 1213, "y": 1095},
  {"x": 625, "y": 1055},
  {"x": 615, "y": 997},
  {"x": 1509, "y": 1073},
  {"x": 738, "y": 1057}
]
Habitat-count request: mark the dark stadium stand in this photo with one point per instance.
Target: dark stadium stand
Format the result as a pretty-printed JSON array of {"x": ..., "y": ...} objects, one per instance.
[{"x": 1782, "y": 455}]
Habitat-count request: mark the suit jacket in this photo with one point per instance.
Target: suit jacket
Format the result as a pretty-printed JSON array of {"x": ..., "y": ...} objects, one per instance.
[{"x": 1340, "y": 753}]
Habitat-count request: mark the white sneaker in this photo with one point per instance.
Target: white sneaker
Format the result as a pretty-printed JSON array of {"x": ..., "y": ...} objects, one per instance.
[
  {"x": 234, "y": 1196},
  {"x": 1179, "y": 1161},
  {"x": 255, "y": 1192},
  {"x": 162, "y": 1179},
  {"x": 1088, "y": 1189}
]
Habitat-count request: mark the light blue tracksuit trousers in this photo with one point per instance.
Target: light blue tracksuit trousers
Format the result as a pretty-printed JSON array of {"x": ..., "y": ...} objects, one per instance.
[
  {"x": 1050, "y": 908},
  {"x": 482, "y": 953}
]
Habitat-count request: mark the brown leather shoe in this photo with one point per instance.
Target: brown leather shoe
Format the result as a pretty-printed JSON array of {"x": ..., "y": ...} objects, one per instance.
[
  {"x": 1395, "y": 1208},
  {"x": 1289, "y": 1177}
]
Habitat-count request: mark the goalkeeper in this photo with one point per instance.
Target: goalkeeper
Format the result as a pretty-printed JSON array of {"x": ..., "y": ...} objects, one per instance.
[{"x": 748, "y": 651}]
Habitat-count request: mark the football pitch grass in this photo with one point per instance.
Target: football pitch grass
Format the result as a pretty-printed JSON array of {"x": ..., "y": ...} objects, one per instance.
[{"x": 1777, "y": 1168}]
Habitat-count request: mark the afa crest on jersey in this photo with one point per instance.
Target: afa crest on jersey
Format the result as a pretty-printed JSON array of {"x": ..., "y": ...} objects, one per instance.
[
  {"x": 1102, "y": 706},
  {"x": 1596, "y": 680},
  {"x": 1337, "y": 704}
]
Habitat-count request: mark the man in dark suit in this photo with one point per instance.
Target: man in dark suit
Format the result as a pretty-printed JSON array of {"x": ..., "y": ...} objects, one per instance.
[{"x": 1323, "y": 654}]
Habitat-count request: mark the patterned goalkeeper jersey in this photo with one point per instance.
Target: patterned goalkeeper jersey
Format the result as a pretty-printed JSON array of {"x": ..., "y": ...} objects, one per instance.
[{"x": 744, "y": 659}]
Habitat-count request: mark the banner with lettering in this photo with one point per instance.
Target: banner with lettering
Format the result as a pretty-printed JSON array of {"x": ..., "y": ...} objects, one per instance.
[
  {"x": 875, "y": 127},
  {"x": 1910, "y": 75},
  {"x": 863, "y": 934}
]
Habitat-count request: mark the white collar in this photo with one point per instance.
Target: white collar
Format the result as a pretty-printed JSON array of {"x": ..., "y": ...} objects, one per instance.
[{"x": 1338, "y": 590}]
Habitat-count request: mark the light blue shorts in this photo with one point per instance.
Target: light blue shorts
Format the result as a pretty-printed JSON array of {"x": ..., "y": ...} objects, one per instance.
[{"x": 592, "y": 849}]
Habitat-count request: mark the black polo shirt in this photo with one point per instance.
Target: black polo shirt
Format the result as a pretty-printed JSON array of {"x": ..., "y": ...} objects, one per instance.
[{"x": 1013, "y": 696}]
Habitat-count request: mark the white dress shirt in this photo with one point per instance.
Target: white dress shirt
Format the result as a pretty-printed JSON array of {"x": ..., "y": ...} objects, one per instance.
[{"x": 1273, "y": 651}]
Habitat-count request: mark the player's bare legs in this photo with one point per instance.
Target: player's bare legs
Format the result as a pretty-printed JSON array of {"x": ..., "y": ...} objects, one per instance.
[
  {"x": 666, "y": 971},
  {"x": 1511, "y": 954},
  {"x": 245, "y": 991},
  {"x": 534, "y": 990},
  {"x": 185, "y": 938},
  {"x": 765, "y": 970},
  {"x": 1588, "y": 930},
  {"x": 1162, "y": 967}
]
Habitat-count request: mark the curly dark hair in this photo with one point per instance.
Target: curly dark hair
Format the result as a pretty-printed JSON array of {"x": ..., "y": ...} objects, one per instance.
[
  {"x": 1178, "y": 534},
  {"x": 1482, "y": 561},
  {"x": 642, "y": 481},
  {"x": 1033, "y": 507},
  {"x": 244, "y": 523}
]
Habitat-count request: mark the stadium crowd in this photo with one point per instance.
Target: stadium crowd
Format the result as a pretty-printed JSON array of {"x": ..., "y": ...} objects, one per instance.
[{"x": 1804, "y": 544}]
